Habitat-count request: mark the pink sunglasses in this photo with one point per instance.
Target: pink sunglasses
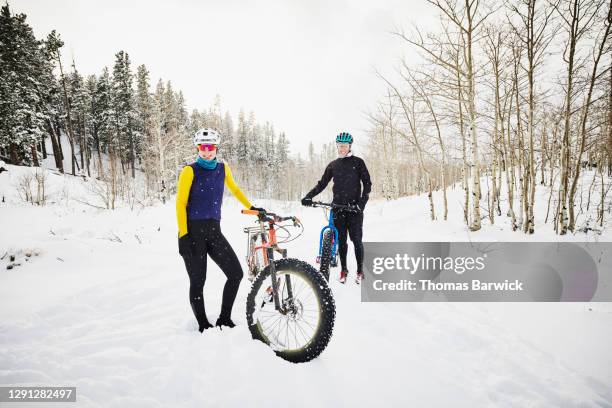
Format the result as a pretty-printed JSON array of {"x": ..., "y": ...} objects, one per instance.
[{"x": 207, "y": 148}]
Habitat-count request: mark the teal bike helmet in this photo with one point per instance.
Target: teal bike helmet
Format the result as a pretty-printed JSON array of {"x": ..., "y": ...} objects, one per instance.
[{"x": 344, "y": 137}]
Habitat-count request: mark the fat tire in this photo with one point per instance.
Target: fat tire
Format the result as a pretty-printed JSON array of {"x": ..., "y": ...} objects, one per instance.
[
  {"x": 326, "y": 254},
  {"x": 327, "y": 306}
]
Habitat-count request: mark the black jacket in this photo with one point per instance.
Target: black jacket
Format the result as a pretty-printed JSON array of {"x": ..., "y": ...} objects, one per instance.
[{"x": 348, "y": 174}]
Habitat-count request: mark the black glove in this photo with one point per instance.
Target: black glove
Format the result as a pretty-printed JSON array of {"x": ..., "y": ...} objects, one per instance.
[
  {"x": 186, "y": 245},
  {"x": 361, "y": 205},
  {"x": 307, "y": 201},
  {"x": 257, "y": 209},
  {"x": 354, "y": 208}
]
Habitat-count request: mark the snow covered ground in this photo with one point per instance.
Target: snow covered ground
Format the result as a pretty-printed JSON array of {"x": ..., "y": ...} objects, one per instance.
[{"x": 101, "y": 304}]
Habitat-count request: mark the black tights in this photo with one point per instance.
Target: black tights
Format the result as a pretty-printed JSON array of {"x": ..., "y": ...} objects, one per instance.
[
  {"x": 209, "y": 241},
  {"x": 353, "y": 223}
]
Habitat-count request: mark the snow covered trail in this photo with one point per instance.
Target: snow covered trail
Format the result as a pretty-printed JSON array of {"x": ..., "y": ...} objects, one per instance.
[{"x": 104, "y": 307}]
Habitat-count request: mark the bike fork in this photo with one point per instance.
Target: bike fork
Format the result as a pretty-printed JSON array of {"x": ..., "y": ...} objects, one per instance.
[
  {"x": 334, "y": 242},
  {"x": 275, "y": 291}
]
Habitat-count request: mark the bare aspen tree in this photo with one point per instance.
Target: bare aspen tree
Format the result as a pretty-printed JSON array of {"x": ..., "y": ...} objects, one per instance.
[
  {"x": 495, "y": 50},
  {"x": 506, "y": 145},
  {"x": 553, "y": 120},
  {"x": 591, "y": 11},
  {"x": 391, "y": 150},
  {"x": 419, "y": 88},
  {"x": 543, "y": 150},
  {"x": 468, "y": 18},
  {"x": 401, "y": 171},
  {"x": 609, "y": 142},
  {"x": 442, "y": 73},
  {"x": 413, "y": 136},
  {"x": 534, "y": 35},
  {"x": 578, "y": 17},
  {"x": 570, "y": 51},
  {"x": 446, "y": 53},
  {"x": 519, "y": 150},
  {"x": 533, "y": 140},
  {"x": 456, "y": 59},
  {"x": 387, "y": 134}
]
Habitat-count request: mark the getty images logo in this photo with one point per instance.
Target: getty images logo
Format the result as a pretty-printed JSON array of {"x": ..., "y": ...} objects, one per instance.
[{"x": 412, "y": 264}]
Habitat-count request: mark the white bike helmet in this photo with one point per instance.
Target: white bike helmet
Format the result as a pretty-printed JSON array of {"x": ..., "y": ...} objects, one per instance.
[{"x": 206, "y": 136}]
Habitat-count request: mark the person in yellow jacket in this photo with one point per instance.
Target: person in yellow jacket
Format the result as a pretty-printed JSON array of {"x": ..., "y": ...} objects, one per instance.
[{"x": 198, "y": 214}]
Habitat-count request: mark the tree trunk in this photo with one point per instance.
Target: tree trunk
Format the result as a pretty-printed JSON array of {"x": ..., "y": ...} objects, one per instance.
[
  {"x": 68, "y": 116},
  {"x": 562, "y": 217},
  {"x": 13, "y": 156},
  {"x": 466, "y": 168},
  {"x": 476, "y": 192},
  {"x": 43, "y": 146},
  {"x": 57, "y": 154},
  {"x": 34, "y": 154},
  {"x": 510, "y": 179}
]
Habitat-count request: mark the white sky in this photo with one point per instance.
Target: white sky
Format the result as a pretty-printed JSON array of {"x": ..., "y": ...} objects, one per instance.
[{"x": 306, "y": 66}]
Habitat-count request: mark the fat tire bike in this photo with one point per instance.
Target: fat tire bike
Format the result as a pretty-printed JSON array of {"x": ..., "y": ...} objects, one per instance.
[
  {"x": 328, "y": 238},
  {"x": 290, "y": 307}
]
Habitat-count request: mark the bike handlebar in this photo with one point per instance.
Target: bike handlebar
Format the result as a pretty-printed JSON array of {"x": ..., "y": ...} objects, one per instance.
[
  {"x": 265, "y": 216},
  {"x": 250, "y": 212},
  {"x": 346, "y": 207}
]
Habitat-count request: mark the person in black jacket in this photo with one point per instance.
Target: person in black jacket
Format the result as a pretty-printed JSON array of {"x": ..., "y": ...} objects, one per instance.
[{"x": 349, "y": 172}]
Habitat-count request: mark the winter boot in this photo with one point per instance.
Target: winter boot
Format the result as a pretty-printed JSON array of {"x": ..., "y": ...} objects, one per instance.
[
  {"x": 204, "y": 325},
  {"x": 359, "y": 278},
  {"x": 225, "y": 321},
  {"x": 200, "y": 314},
  {"x": 343, "y": 275}
]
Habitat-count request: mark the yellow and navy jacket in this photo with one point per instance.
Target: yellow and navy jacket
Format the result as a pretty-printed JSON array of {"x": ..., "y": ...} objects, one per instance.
[{"x": 200, "y": 193}]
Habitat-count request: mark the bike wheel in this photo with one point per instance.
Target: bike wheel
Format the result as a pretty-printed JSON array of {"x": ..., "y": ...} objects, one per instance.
[
  {"x": 301, "y": 330},
  {"x": 326, "y": 253}
]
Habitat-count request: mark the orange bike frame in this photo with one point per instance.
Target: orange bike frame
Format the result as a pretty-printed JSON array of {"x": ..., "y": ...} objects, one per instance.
[{"x": 271, "y": 242}]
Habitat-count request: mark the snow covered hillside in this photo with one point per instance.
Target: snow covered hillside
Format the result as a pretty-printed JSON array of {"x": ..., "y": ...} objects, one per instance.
[{"x": 97, "y": 299}]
